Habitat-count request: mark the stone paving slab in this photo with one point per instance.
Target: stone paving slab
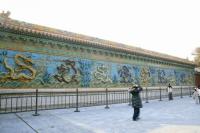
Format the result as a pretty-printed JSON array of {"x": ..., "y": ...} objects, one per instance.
[
  {"x": 177, "y": 116},
  {"x": 177, "y": 129},
  {"x": 10, "y": 123}
]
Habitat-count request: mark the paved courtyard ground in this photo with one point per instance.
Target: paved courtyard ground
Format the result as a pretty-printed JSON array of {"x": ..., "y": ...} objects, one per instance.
[{"x": 177, "y": 116}]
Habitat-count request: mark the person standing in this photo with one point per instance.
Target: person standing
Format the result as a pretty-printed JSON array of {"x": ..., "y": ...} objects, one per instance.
[
  {"x": 195, "y": 95},
  {"x": 198, "y": 92},
  {"x": 169, "y": 90},
  {"x": 136, "y": 101}
]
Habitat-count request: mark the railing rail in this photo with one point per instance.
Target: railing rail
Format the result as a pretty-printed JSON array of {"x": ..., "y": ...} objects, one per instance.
[{"x": 16, "y": 101}]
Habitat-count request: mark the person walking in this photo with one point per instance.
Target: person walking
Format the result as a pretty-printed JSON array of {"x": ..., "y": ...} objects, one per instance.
[
  {"x": 136, "y": 101},
  {"x": 169, "y": 90}
]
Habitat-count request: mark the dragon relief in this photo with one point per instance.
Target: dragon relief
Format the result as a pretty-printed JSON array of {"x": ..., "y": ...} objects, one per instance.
[
  {"x": 101, "y": 75},
  {"x": 67, "y": 72},
  {"x": 17, "y": 74},
  {"x": 125, "y": 75},
  {"x": 145, "y": 76},
  {"x": 190, "y": 79}
]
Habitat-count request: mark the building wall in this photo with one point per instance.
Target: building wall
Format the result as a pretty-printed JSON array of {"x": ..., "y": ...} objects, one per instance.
[
  {"x": 38, "y": 62},
  {"x": 197, "y": 79}
]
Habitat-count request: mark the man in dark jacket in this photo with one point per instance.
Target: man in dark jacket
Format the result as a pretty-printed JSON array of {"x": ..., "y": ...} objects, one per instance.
[
  {"x": 169, "y": 90},
  {"x": 136, "y": 101}
]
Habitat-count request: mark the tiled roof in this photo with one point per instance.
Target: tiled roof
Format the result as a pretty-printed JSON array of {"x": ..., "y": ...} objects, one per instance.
[{"x": 6, "y": 22}]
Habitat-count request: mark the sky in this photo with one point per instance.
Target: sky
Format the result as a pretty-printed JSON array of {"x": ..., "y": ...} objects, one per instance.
[{"x": 166, "y": 26}]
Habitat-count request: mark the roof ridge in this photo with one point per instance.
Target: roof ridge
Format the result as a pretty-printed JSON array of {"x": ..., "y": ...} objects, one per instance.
[{"x": 35, "y": 28}]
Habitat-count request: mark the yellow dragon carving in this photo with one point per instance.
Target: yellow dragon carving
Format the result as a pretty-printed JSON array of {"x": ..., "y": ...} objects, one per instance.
[{"x": 23, "y": 63}]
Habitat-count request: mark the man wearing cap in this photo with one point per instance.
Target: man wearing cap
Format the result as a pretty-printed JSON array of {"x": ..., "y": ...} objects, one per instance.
[{"x": 136, "y": 101}]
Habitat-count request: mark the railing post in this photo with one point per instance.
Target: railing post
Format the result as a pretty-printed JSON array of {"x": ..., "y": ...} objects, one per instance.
[
  {"x": 77, "y": 101},
  {"x": 36, "y": 102},
  {"x": 190, "y": 92},
  {"x": 146, "y": 95},
  {"x": 106, "y": 99},
  {"x": 129, "y": 98},
  {"x": 160, "y": 94},
  {"x": 181, "y": 92},
  {"x": 0, "y": 101}
]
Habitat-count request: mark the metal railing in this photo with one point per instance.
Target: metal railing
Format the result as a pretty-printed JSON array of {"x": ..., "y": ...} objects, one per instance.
[{"x": 11, "y": 102}]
